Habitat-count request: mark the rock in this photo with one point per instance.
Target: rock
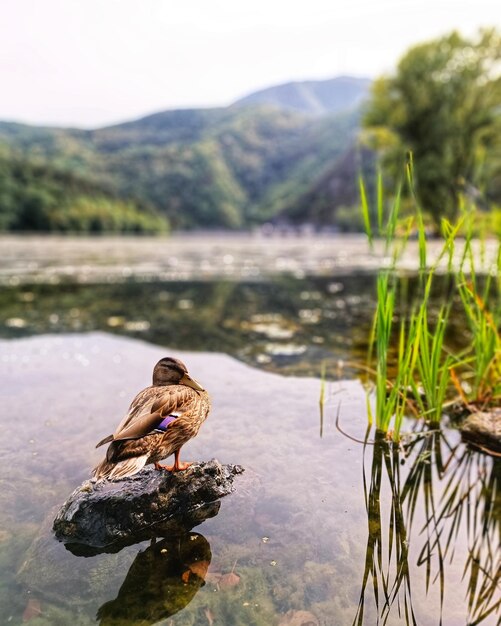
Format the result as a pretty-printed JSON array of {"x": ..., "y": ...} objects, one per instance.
[
  {"x": 484, "y": 430},
  {"x": 106, "y": 516}
]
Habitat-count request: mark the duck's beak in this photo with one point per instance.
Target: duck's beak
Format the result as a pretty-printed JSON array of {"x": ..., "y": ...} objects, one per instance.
[{"x": 191, "y": 382}]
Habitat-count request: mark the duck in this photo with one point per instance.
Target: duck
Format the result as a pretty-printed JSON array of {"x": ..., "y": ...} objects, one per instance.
[{"x": 160, "y": 420}]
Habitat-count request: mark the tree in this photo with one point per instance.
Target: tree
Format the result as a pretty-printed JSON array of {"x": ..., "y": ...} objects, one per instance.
[{"x": 443, "y": 104}]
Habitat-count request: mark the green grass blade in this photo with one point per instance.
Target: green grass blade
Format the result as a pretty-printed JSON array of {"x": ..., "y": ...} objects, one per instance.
[{"x": 365, "y": 210}]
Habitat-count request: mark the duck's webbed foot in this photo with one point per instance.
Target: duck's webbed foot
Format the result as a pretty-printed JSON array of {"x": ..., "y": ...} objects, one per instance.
[{"x": 178, "y": 465}]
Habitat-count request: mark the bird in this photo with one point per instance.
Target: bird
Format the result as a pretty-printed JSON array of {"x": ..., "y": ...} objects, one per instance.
[{"x": 159, "y": 421}]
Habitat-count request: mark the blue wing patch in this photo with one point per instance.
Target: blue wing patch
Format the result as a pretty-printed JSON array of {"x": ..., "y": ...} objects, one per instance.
[{"x": 162, "y": 427}]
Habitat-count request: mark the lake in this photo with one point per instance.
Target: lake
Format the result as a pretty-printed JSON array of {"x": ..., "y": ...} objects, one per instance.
[{"x": 322, "y": 529}]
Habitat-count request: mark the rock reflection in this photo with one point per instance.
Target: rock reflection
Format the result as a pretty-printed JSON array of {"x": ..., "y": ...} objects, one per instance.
[
  {"x": 161, "y": 581},
  {"x": 163, "y": 575},
  {"x": 469, "y": 506}
]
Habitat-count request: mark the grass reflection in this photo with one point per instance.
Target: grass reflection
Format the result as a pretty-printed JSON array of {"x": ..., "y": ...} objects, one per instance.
[
  {"x": 387, "y": 557},
  {"x": 471, "y": 499},
  {"x": 447, "y": 492}
]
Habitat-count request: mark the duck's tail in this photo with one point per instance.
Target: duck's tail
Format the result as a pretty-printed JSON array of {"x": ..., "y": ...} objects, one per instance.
[{"x": 122, "y": 469}]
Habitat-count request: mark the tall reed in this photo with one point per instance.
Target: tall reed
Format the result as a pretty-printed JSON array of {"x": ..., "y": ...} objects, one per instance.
[
  {"x": 425, "y": 371},
  {"x": 484, "y": 322}
]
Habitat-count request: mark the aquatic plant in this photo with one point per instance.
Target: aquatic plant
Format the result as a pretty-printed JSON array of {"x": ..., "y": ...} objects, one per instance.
[
  {"x": 424, "y": 372},
  {"x": 321, "y": 401},
  {"x": 485, "y": 362}
]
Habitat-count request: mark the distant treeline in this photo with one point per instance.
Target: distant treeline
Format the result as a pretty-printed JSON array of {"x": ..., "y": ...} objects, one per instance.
[{"x": 38, "y": 197}]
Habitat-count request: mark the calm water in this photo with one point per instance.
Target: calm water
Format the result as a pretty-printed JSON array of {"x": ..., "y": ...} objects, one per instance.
[
  {"x": 278, "y": 323},
  {"x": 321, "y": 530}
]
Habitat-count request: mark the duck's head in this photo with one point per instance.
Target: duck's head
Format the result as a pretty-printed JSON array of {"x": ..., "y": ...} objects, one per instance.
[{"x": 170, "y": 371}]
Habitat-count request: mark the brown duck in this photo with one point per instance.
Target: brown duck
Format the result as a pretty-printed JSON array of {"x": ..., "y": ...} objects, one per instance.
[{"x": 160, "y": 420}]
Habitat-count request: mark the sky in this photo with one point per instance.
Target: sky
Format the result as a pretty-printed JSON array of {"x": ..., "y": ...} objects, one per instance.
[{"x": 89, "y": 63}]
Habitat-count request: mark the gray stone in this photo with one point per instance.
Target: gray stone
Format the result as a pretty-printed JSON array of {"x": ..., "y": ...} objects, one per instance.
[
  {"x": 484, "y": 430},
  {"x": 107, "y": 515}
]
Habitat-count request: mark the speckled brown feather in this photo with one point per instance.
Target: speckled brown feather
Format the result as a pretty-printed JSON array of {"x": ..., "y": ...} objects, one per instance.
[{"x": 135, "y": 444}]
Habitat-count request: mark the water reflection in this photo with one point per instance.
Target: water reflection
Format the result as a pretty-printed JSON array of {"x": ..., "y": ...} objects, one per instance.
[
  {"x": 284, "y": 324},
  {"x": 469, "y": 504},
  {"x": 161, "y": 581},
  {"x": 132, "y": 581},
  {"x": 472, "y": 499}
]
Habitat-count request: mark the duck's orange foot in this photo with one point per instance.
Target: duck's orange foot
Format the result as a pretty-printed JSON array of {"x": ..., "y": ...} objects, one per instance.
[
  {"x": 177, "y": 467},
  {"x": 180, "y": 466}
]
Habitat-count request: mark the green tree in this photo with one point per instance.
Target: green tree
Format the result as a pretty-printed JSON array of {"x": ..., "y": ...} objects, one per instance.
[
  {"x": 444, "y": 104},
  {"x": 39, "y": 197}
]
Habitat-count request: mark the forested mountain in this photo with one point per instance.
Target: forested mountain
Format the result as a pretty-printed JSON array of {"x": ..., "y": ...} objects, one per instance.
[
  {"x": 230, "y": 167},
  {"x": 313, "y": 97}
]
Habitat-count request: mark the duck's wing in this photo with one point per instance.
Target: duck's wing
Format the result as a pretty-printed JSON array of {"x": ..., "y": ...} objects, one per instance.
[
  {"x": 138, "y": 406},
  {"x": 149, "y": 408}
]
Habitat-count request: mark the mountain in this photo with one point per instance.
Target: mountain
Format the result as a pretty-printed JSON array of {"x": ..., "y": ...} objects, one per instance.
[
  {"x": 313, "y": 97},
  {"x": 329, "y": 198},
  {"x": 229, "y": 167}
]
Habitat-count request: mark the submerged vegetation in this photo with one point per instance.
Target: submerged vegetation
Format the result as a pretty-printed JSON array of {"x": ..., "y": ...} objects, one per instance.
[{"x": 425, "y": 373}]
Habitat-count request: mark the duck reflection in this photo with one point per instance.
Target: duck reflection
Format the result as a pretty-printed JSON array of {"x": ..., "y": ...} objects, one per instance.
[{"x": 161, "y": 581}]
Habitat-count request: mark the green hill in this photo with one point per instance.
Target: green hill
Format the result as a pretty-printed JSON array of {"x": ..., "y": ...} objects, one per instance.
[
  {"x": 330, "y": 200},
  {"x": 38, "y": 197},
  {"x": 230, "y": 167}
]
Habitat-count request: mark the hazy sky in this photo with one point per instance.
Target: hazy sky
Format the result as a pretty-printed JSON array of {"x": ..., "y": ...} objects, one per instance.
[{"x": 94, "y": 62}]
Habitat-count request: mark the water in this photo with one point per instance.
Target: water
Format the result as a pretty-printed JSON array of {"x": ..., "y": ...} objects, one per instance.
[
  {"x": 281, "y": 323},
  {"x": 278, "y": 323},
  {"x": 317, "y": 524}
]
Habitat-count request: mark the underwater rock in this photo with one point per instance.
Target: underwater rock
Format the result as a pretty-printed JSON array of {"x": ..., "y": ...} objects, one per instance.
[
  {"x": 483, "y": 429},
  {"x": 151, "y": 503}
]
